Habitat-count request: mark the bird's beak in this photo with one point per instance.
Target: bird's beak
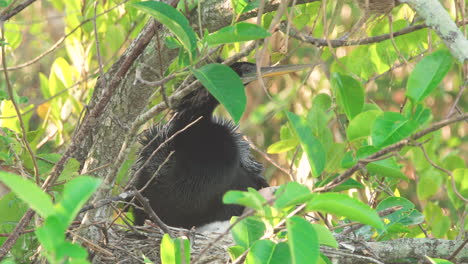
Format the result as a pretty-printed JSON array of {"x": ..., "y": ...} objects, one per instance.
[{"x": 275, "y": 71}]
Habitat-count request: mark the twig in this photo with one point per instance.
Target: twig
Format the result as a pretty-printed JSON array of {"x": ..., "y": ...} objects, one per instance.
[
  {"x": 392, "y": 148},
  {"x": 14, "y": 235},
  {"x": 212, "y": 243},
  {"x": 14, "y": 11},
  {"x": 17, "y": 110},
  {"x": 455, "y": 102},
  {"x": 151, "y": 212},
  {"x": 265, "y": 156},
  {"x": 449, "y": 173},
  {"x": 98, "y": 45},
  {"x": 335, "y": 43}
]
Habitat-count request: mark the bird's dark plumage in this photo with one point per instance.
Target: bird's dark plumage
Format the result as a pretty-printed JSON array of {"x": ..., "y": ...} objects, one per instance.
[{"x": 209, "y": 159}]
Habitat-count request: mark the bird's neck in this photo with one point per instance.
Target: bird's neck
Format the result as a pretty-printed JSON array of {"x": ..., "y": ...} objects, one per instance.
[{"x": 198, "y": 104}]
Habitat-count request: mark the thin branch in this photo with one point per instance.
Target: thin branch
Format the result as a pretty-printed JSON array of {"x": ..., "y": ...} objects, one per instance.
[
  {"x": 154, "y": 217},
  {"x": 11, "y": 94},
  {"x": 392, "y": 148},
  {"x": 98, "y": 45},
  {"x": 265, "y": 156},
  {"x": 14, "y": 235},
  {"x": 449, "y": 173},
  {"x": 14, "y": 11},
  {"x": 335, "y": 43}
]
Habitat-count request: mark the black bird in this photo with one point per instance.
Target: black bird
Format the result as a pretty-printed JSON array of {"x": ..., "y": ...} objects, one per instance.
[{"x": 209, "y": 159}]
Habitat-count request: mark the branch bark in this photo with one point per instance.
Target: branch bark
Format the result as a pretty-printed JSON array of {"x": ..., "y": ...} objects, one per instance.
[{"x": 439, "y": 20}]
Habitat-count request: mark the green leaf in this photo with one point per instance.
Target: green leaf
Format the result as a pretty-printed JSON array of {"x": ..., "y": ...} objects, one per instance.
[
  {"x": 311, "y": 145},
  {"x": 225, "y": 85},
  {"x": 173, "y": 20},
  {"x": 268, "y": 252},
  {"x": 236, "y": 33},
  {"x": 75, "y": 194},
  {"x": 52, "y": 233},
  {"x": 429, "y": 183},
  {"x": 291, "y": 193},
  {"x": 390, "y": 128},
  {"x": 251, "y": 199},
  {"x": 325, "y": 237},
  {"x": 460, "y": 176},
  {"x": 438, "y": 261},
  {"x": 361, "y": 125},
  {"x": 247, "y": 231},
  {"x": 29, "y": 192},
  {"x": 407, "y": 215},
  {"x": 235, "y": 251},
  {"x": 343, "y": 205},
  {"x": 386, "y": 168},
  {"x": 242, "y": 6},
  {"x": 282, "y": 146},
  {"x": 74, "y": 251},
  {"x": 428, "y": 74},
  {"x": 350, "y": 94},
  {"x": 168, "y": 250},
  {"x": 303, "y": 241},
  {"x": 322, "y": 101},
  {"x": 175, "y": 251}
]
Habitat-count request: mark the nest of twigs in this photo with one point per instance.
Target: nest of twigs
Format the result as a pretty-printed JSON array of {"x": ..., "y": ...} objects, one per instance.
[
  {"x": 125, "y": 245},
  {"x": 377, "y": 7}
]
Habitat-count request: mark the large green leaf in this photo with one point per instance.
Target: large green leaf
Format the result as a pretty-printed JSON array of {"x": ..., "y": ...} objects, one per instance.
[
  {"x": 429, "y": 183},
  {"x": 175, "y": 251},
  {"x": 247, "y": 231},
  {"x": 428, "y": 74},
  {"x": 239, "y": 32},
  {"x": 362, "y": 124},
  {"x": 390, "y": 128},
  {"x": 225, "y": 85},
  {"x": 282, "y": 146},
  {"x": 173, "y": 20},
  {"x": 343, "y": 205},
  {"x": 268, "y": 252},
  {"x": 350, "y": 94},
  {"x": 325, "y": 237},
  {"x": 291, "y": 193},
  {"x": 386, "y": 168},
  {"x": 252, "y": 198},
  {"x": 75, "y": 195},
  {"x": 303, "y": 241},
  {"x": 315, "y": 152},
  {"x": 29, "y": 192},
  {"x": 407, "y": 215}
]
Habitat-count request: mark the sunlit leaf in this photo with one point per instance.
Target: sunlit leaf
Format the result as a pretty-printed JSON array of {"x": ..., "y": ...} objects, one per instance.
[
  {"x": 303, "y": 240},
  {"x": 362, "y": 124},
  {"x": 236, "y": 33},
  {"x": 350, "y": 94},
  {"x": 29, "y": 192},
  {"x": 172, "y": 19},
  {"x": 282, "y": 146},
  {"x": 247, "y": 231},
  {"x": 390, "y": 128},
  {"x": 343, "y": 205},
  {"x": 225, "y": 85},
  {"x": 75, "y": 195},
  {"x": 314, "y": 149},
  {"x": 428, "y": 74},
  {"x": 268, "y": 252}
]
